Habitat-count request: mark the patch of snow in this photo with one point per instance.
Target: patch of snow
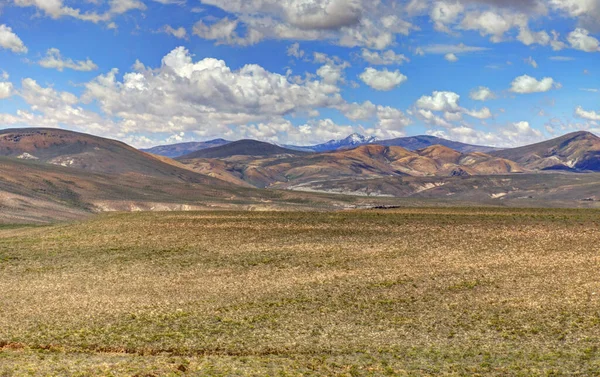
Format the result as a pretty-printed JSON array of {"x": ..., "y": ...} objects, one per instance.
[{"x": 27, "y": 156}]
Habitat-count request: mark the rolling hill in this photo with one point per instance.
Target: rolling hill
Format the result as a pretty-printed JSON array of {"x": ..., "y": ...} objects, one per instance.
[
  {"x": 90, "y": 153},
  {"x": 351, "y": 141},
  {"x": 52, "y": 174},
  {"x": 181, "y": 149},
  {"x": 578, "y": 151},
  {"x": 242, "y": 148},
  {"x": 412, "y": 143},
  {"x": 366, "y": 161},
  {"x": 419, "y": 142}
]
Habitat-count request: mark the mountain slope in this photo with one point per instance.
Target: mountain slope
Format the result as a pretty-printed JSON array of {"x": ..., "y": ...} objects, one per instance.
[
  {"x": 351, "y": 141},
  {"x": 181, "y": 149},
  {"x": 578, "y": 151},
  {"x": 90, "y": 153},
  {"x": 419, "y": 142},
  {"x": 363, "y": 162},
  {"x": 242, "y": 148}
]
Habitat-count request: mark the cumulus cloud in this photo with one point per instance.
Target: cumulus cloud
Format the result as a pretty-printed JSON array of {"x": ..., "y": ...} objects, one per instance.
[
  {"x": 348, "y": 23},
  {"x": 493, "y": 24},
  {"x": 483, "y": 113},
  {"x": 452, "y": 58},
  {"x": 447, "y": 103},
  {"x": 444, "y": 13},
  {"x": 57, "y": 9},
  {"x": 482, "y": 93},
  {"x": 54, "y": 60},
  {"x": 509, "y": 135},
  {"x": 295, "y": 51},
  {"x": 580, "y": 39},
  {"x": 6, "y": 89},
  {"x": 180, "y": 32},
  {"x": 383, "y": 80},
  {"x": 389, "y": 121},
  {"x": 440, "y": 101},
  {"x": 10, "y": 41},
  {"x": 206, "y": 92},
  {"x": 589, "y": 115},
  {"x": 526, "y": 84}
]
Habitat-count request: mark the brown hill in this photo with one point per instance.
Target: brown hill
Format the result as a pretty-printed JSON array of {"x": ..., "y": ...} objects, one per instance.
[
  {"x": 89, "y": 153},
  {"x": 367, "y": 161},
  {"x": 579, "y": 151},
  {"x": 242, "y": 148}
]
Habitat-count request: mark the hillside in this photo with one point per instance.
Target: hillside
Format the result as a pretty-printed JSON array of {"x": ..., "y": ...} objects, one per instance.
[
  {"x": 242, "y": 148},
  {"x": 50, "y": 175},
  {"x": 366, "y": 161},
  {"x": 181, "y": 149},
  {"x": 351, "y": 141},
  {"x": 419, "y": 142},
  {"x": 579, "y": 151},
  {"x": 90, "y": 153},
  {"x": 412, "y": 143}
]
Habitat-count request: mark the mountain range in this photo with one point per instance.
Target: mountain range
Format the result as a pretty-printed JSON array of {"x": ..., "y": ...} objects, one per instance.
[
  {"x": 53, "y": 174},
  {"x": 411, "y": 143},
  {"x": 178, "y": 150}
]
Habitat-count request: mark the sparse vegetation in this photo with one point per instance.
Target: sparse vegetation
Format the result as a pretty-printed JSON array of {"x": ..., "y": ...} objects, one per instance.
[{"x": 385, "y": 292}]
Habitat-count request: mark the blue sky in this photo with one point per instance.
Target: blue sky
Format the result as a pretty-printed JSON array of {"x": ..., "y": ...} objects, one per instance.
[{"x": 493, "y": 72}]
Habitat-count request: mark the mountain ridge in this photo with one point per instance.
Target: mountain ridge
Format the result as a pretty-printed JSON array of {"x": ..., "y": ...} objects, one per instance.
[
  {"x": 181, "y": 149},
  {"x": 576, "y": 151},
  {"x": 244, "y": 147}
]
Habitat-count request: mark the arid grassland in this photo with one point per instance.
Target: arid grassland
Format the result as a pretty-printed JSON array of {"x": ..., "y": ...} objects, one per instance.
[{"x": 398, "y": 292}]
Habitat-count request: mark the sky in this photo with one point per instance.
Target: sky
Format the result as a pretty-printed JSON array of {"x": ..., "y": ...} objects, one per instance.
[{"x": 151, "y": 72}]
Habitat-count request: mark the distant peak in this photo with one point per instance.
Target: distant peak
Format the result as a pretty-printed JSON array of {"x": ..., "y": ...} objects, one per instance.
[{"x": 357, "y": 138}]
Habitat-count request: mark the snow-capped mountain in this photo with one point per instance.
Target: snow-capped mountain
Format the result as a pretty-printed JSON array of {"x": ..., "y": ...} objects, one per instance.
[{"x": 353, "y": 140}]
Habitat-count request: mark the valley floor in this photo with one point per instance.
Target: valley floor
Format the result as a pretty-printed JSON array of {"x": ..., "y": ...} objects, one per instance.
[{"x": 384, "y": 292}]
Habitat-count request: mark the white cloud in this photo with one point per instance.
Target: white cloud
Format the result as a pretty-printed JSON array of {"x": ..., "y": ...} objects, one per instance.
[
  {"x": 349, "y": 23},
  {"x": 223, "y": 31},
  {"x": 580, "y": 39},
  {"x": 510, "y": 135},
  {"x": 180, "y": 32},
  {"x": 448, "y": 104},
  {"x": 484, "y": 113},
  {"x": 53, "y": 59},
  {"x": 526, "y": 84},
  {"x": 295, "y": 51},
  {"x": 589, "y": 115},
  {"x": 440, "y": 101},
  {"x": 562, "y": 58},
  {"x": 57, "y": 9},
  {"x": 443, "y": 49},
  {"x": 6, "y": 89},
  {"x": 482, "y": 93},
  {"x": 531, "y": 62},
  {"x": 332, "y": 73},
  {"x": 383, "y": 80},
  {"x": 452, "y": 58},
  {"x": 444, "y": 13},
  {"x": 10, "y": 41},
  {"x": 384, "y": 58},
  {"x": 493, "y": 24},
  {"x": 185, "y": 95},
  {"x": 389, "y": 121}
]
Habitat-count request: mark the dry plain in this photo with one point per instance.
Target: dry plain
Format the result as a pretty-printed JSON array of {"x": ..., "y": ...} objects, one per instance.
[{"x": 421, "y": 291}]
